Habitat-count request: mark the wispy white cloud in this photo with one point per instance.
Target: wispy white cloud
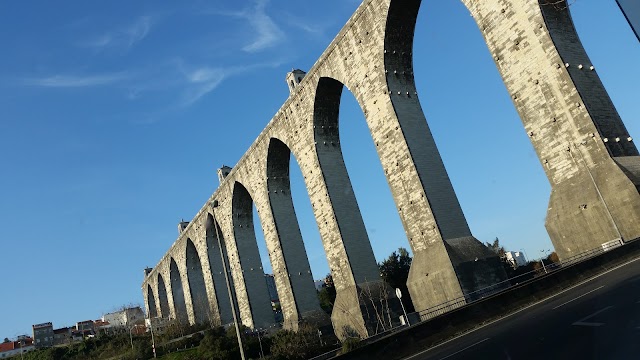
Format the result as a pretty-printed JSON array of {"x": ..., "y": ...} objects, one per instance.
[
  {"x": 312, "y": 29},
  {"x": 99, "y": 42},
  {"x": 304, "y": 25},
  {"x": 138, "y": 30},
  {"x": 267, "y": 33},
  {"x": 200, "y": 82},
  {"x": 123, "y": 37},
  {"x": 75, "y": 81},
  {"x": 189, "y": 82}
]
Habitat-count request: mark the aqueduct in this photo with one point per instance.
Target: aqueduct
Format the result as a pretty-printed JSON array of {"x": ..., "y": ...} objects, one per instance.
[{"x": 586, "y": 152}]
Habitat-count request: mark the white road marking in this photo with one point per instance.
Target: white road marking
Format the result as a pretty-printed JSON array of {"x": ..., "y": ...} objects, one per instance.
[
  {"x": 468, "y": 347},
  {"x": 576, "y": 298},
  {"x": 582, "y": 321}
]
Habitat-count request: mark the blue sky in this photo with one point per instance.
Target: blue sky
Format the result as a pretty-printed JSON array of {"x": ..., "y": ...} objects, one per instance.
[{"x": 115, "y": 115}]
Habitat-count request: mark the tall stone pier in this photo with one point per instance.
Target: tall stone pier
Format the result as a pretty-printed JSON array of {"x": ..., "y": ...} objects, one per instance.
[{"x": 587, "y": 153}]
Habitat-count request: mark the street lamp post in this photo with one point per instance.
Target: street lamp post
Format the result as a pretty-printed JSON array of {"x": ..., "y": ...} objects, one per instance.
[
  {"x": 542, "y": 259},
  {"x": 153, "y": 340},
  {"x": 399, "y": 295},
  {"x": 214, "y": 205}
]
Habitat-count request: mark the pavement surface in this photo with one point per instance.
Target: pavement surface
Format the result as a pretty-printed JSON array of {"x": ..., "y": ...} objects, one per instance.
[{"x": 597, "y": 319}]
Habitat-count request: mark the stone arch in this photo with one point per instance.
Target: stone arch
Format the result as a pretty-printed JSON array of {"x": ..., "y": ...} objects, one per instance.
[
  {"x": 250, "y": 285},
  {"x": 213, "y": 234},
  {"x": 199, "y": 299},
  {"x": 448, "y": 261},
  {"x": 293, "y": 277},
  {"x": 163, "y": 300},
  {"x": 481, "y": 133},
  {"x": 345, "y": 123},
  {"x": 177, "y": 293},
  {"x": 398, "y": 63},
  {"x": 340, "y": 192},
  {"x": 437, "y": 231},
  {"x": 345, "y": 239},
  {"x": 151, "y": 302}
]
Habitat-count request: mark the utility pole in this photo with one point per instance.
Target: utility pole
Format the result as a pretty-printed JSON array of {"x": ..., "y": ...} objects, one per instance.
[{"x": 214, "y": 205}]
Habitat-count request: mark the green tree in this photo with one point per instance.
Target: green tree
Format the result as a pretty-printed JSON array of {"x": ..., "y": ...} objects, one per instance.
[
  {"x": 6, "y": 340},
  {"x": 497, "y": 248},
  {"x": 217, "y": 345},
  {"x": 327, "y": 295},
  {"x": 395, "y": 272}
]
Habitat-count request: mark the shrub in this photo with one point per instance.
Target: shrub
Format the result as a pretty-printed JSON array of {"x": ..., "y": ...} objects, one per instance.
[
  {"x": 351, "y": 340},
  {"x": 303, "y": 344}
]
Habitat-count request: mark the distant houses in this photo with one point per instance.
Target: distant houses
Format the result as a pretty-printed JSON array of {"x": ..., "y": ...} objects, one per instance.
[
  {"x": 44, "y": 335},
  {"x": 62, "y": 336},
  {"x": 22, "y": 345}
]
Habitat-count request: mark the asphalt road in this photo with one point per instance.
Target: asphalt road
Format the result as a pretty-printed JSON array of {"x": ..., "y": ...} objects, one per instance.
[{"x": 598, "y": 319}]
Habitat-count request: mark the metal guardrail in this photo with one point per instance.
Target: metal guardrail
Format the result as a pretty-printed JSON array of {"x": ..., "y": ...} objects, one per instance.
[
  {"x": 504, "y": 285},
  {"x": 582, "y": 256}
]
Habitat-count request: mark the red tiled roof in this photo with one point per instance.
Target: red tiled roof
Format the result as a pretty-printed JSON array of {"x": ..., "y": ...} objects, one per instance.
[
  {"x": 7, "y": 346},
  {"x": 15, "y": 345}
]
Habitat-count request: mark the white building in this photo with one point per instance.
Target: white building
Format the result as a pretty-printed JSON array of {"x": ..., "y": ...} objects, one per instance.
[
  {"x": 159, "y": 324},
  {"x": 124, "y": 318},
  {"x": 516, "y": 258}
]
